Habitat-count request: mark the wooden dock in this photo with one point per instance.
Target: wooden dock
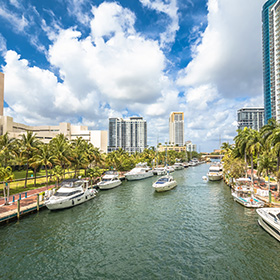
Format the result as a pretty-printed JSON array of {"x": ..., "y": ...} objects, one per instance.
[{"x": 21, "y": 204}]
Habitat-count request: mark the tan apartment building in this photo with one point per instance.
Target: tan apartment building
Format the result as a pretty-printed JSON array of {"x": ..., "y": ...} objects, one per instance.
[
  {"x": 162, "y": 148},
  {"x": 46, "y": 132},
  {"x": 176, "y": 128}
]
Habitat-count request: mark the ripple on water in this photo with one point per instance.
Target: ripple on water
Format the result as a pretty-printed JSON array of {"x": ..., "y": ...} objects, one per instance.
[{"x": 195, "y": 231}]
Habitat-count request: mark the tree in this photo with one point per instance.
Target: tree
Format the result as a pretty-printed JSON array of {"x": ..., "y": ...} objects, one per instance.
[
  {"x": 43, "y": 157},
  {"x": 253, "y": 146},
  {"x": 29, "y": 144},
  {"x": 61, "y": 150},
  {"x": 6, "y": 147},
  {"x": 57, "y": 172},
  {"x": 6, "y": 175}
]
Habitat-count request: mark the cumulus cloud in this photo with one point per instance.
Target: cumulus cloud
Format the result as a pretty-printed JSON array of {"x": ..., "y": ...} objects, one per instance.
[
  {"x": 114, "y": 70},
  {"x": 101, "y": 75},
  {"x": 229, "y": 53},
  {"x": 171, "y": 10}
]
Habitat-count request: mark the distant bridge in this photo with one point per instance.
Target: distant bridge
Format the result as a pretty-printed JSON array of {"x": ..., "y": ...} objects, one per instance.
[{"x": 213, "y": 156}]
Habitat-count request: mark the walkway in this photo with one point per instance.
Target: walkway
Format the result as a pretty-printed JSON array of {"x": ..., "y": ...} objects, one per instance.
[{"x": 28, "y": 202}]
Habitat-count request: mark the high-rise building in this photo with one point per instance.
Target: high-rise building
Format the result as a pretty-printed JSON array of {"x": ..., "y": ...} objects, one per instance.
[
  {"x": 1, "y": 94},
  {"x": 176, "y": 128},
  {"x": 190, "y": 147},
  {"x": 271, "y": 52},
  {"x": 129, "y": 134},
  {"x": 251, "y": 118}
]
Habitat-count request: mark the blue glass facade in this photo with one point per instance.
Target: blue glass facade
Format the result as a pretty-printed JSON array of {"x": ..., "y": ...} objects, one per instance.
[{"x": 266, "y": 59}]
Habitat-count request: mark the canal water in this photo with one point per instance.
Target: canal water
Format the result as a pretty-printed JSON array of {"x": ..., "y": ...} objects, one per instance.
[{"x": 195, "y": 231}]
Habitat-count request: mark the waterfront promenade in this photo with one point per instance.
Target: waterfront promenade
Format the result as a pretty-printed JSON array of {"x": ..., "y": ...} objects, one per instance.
[{"x": 28, "y": 203}]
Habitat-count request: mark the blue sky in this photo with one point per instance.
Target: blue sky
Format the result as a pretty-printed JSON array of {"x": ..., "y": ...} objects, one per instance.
[{"x": 83, "y": 61}]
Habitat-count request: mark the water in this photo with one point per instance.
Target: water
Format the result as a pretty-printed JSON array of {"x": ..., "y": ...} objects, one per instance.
[{"x": 195, "y": 231}]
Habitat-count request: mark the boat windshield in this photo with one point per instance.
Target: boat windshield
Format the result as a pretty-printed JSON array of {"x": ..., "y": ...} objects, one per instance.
[
  {"x": 106, "y": 180},
  {"x": 64, "y": 194},
  {"x": 71, "y": 184},
  {"x": 162, "y": 180},
  {"x": 111, "y": 172}
]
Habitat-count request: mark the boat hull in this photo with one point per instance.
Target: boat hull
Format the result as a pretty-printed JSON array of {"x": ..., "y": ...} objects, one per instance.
[
  {"x": 166, "y": 187},
  {"x": 269, "y": 228},
  {"x": 134, "y": 177},
  {"x": 215, "y": 177},
  {"x": 110, "y": 185},
  {"x": 248, "y": 202},
  {"x": 57, "y": 205}
]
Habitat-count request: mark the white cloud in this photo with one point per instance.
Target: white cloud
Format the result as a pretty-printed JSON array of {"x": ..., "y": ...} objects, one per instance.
[
  {"x": 229, "y": 54},
  {"x": 18, "y": 23},
  {"x": 116, "y": 71},
  {"x": 169, "y": 8},
  {"x": 76, "y": 8},
  {"x": 3, "y": 44},
  {"x": 111, "y": 18},
  {"x": 101, "y": 75}
]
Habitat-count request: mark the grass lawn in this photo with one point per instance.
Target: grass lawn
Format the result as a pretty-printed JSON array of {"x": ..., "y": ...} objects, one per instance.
[
  {"x": 18, "y": 186},
  {"x": 21, "y": 174}
]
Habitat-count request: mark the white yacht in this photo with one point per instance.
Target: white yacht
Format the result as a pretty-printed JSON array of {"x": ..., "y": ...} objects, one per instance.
[
  {"x": 109, "y": 180},
  {"x": 215, "y": 173},
  {"x": 141, "y": 171},
  {"x": 164, "y": 183},
  {"x": 178, "y": 166},
  {"x": 159, "y": 171},
  {"x": 71, "y": 193},
  {"x": 269, "y": 219},
  {"x": 193, "y": 162}
]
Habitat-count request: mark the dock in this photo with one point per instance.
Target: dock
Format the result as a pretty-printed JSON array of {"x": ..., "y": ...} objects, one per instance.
[{"x": 21, "y": 204}]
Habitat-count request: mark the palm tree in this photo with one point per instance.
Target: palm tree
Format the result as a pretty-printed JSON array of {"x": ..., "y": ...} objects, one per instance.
[
  {"x": 268, "y": 129},
  {"x": 61, "y": 150},
  {"x": 43, "y": 157},
  {"x": 29, "y": 145},
  {"x": 78, "y": 154},
  {"x": 6, "y": 147},
  {"x": 266, "y": 163},
  {"x": 241, "y": 143},
  {"x": 6, "y": 176},
  {"x": 253, "y": 146},
  {"x": 57, "y": 172}
]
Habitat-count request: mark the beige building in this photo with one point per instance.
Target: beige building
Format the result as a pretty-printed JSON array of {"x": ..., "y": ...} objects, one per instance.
[
  {"x": 1, "y": 93},
  {"x": 162, "y": 148},
  {"x": 46, "y": 132},
  {"x": 176, "y": 128}
]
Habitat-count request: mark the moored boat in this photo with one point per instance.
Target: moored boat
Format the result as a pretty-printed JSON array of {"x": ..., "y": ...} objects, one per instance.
[
  {"x": 178, "y": 166},
  {"x": 109, "y": 180},
  {"x": 164, "y": 183},
  {"x": 159, "y": 171},
  {"x": 215, "y": 173},
  {"x": 243, "y": 193},
  {"x": 141, "y": 171},
  {"x": 71, "y": 193},
  {"x": 269, "y": 220}
]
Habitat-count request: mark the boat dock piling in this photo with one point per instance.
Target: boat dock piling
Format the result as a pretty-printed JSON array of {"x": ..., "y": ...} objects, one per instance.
[{"x": 26, "y": 203}]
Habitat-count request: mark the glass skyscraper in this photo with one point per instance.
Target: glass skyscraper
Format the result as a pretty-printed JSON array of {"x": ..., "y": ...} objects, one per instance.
[{"x": 268, "y": 42}]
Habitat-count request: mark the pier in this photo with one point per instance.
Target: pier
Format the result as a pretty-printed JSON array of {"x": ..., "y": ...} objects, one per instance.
[{"x": 22, "y": 204}]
